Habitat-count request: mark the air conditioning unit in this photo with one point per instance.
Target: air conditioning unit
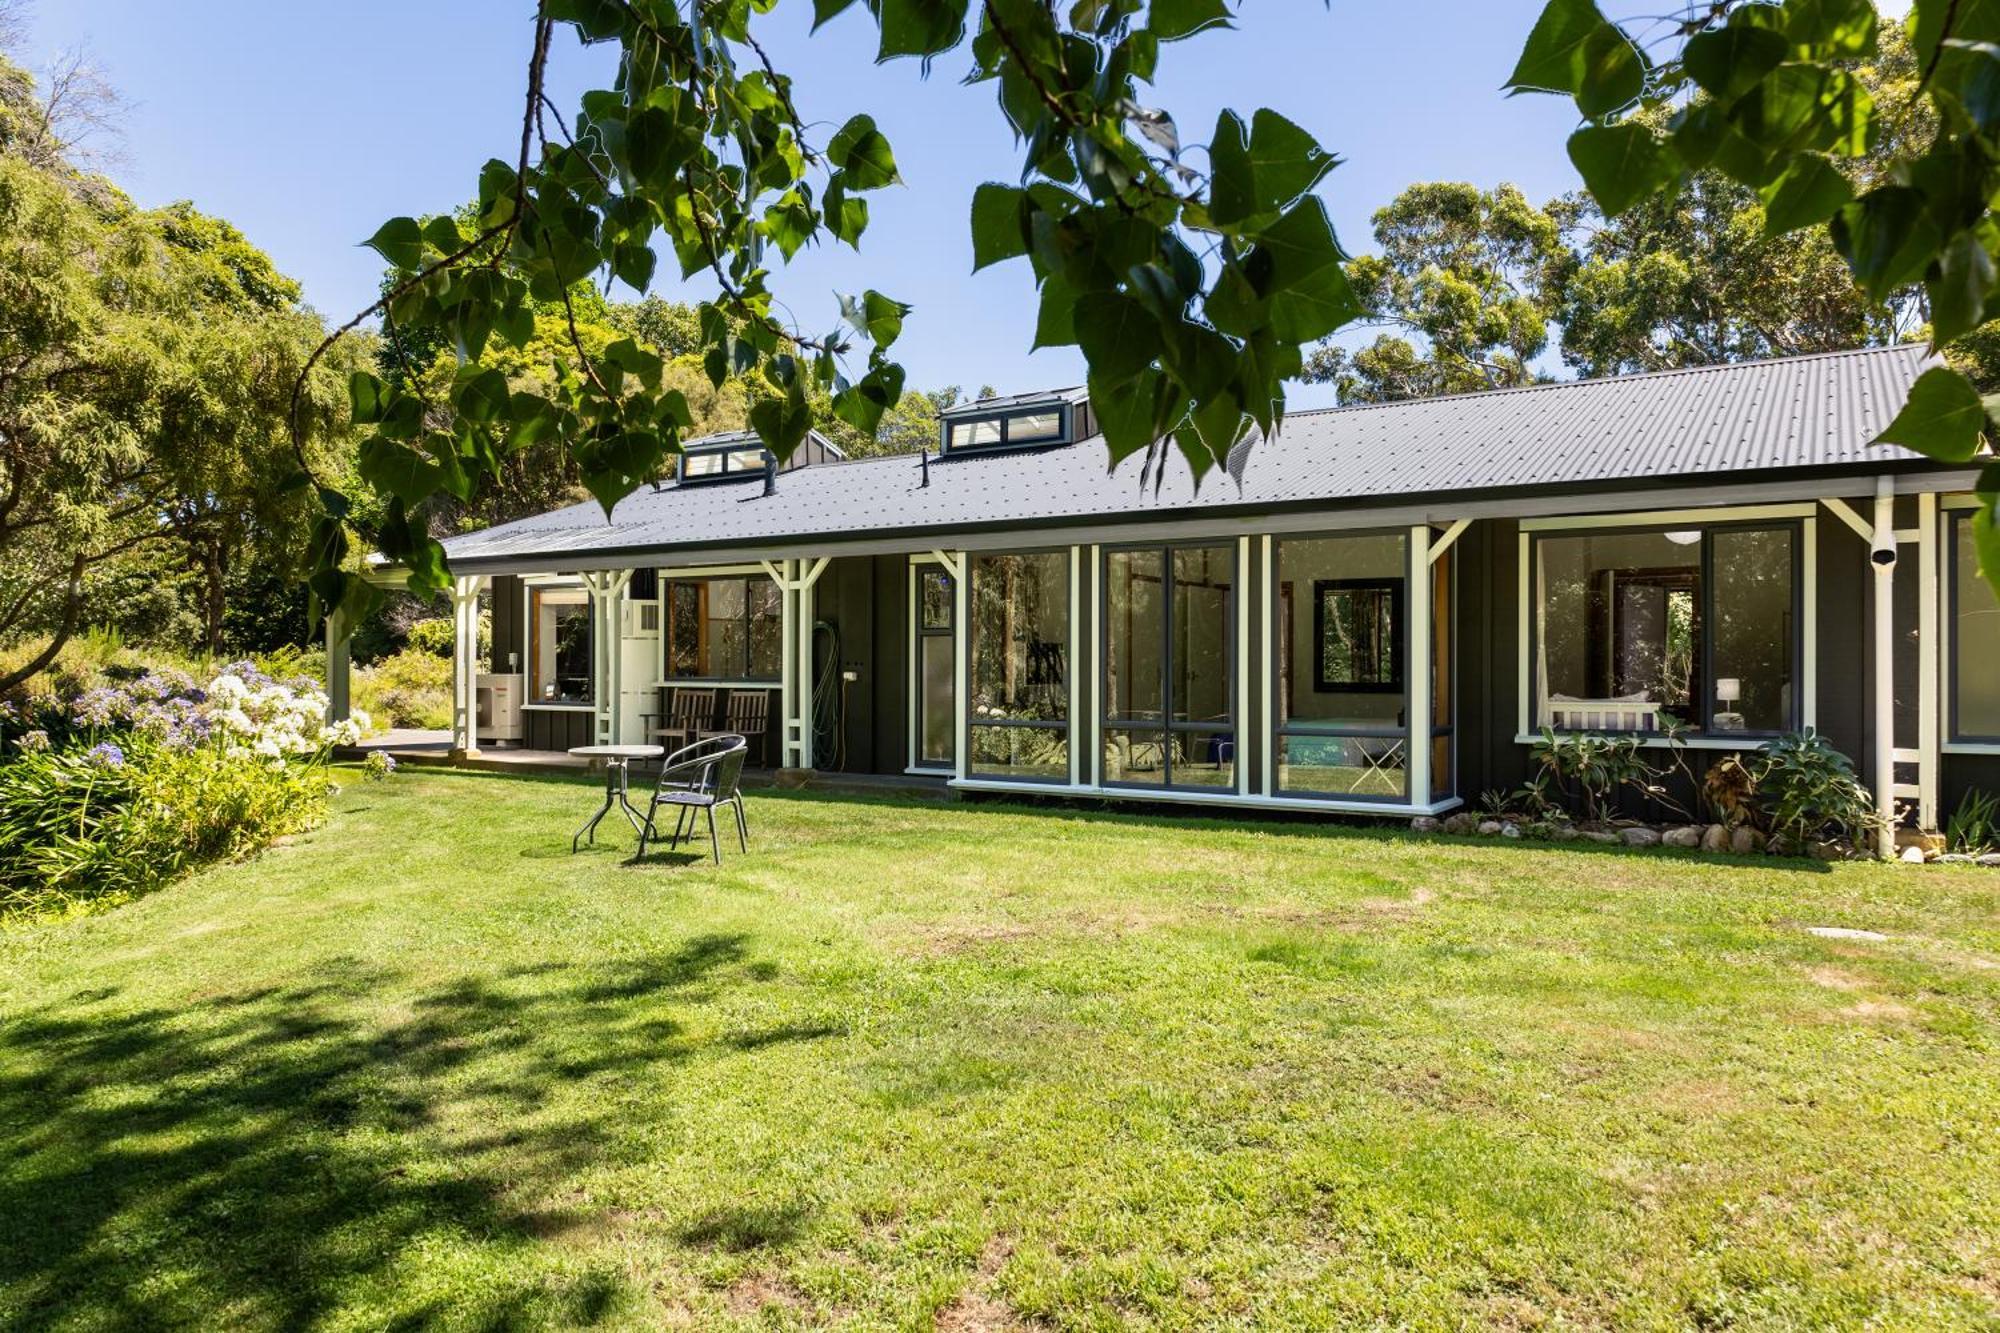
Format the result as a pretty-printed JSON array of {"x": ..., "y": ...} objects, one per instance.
[{"x": 500, "y": 707}]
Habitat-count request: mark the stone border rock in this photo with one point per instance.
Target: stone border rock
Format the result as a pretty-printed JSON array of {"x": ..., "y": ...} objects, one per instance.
[{"x": 1913, "y": 847}]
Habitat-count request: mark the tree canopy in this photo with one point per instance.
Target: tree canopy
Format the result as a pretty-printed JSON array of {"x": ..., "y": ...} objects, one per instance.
[{"x": 147, "y": 363}]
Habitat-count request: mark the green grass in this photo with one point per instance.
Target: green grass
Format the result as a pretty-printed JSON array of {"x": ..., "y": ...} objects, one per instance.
[{"x": 920, "y": 1065}]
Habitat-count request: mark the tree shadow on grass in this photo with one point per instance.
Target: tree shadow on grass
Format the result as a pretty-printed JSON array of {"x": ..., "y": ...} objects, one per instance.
[{"x": 269, "y": 1156}]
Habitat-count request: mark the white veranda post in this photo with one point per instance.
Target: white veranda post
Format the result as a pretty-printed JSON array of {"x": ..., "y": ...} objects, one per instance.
[
  {"x": 607, "y": 608},
  {"x": 795, "y": 580},
  {"x": 465, "y": 663}
]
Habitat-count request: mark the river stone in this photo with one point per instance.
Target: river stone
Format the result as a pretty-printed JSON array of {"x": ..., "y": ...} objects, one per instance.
[
  {"x": 1911, "y": 856},
  {"x": 1424, "y": 824},
  {"x": 1715, "y": 838},
  {"x": 1489, "y": 827},
  {"x": 1746, "y": 841},
  {"x": 1989, "y": 858},
  {"x": 1608, "y": 839},
  {"x": 1682, "y": 837},
  {"x": 1462, "y": 822},
  {"x": 1641, "y": 837}
]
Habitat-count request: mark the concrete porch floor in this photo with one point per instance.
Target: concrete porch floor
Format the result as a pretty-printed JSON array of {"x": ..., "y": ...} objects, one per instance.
[{"x": 412, "y": 746}]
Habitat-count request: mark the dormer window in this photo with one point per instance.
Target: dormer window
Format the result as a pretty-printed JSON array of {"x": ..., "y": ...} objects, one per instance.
[
  {"x": 1018, "y": 422},
  {"x": 713, "y": 464},
  {"x": 739, "y": 455}
]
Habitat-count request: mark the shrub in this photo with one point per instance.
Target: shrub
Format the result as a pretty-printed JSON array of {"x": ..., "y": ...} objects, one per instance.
[
  {"x": 1975, "y": 826},
  {"x": 1595, "y": 768},
  {"x": 406, "y": 689},
  {"x": 126, "y": 786},
  {"x": 378, "y": 765},
  {"x": 1808, "y": 789}
]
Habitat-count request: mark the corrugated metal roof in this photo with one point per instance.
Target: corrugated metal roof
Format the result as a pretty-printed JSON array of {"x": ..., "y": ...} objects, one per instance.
[
  {"x": 1816, "y": 411},
  {"x": 979, "y": 407}
]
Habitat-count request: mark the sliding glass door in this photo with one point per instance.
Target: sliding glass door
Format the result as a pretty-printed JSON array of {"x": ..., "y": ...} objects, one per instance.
[
  {"x": 1017, "y": 643},
  {"x": 1169, "y": 666}
]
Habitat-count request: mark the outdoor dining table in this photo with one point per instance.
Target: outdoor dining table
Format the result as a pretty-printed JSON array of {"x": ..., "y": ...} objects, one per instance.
[{"x": 617, "y": 774}]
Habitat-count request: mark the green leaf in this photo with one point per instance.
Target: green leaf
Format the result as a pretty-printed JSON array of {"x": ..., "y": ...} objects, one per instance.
[
  {"x": 1986, "y": 541},
  {"x": 882, "y": 317},
  {"x": 1621, "y": 164},
  {"x": 394, "y": 470},
  {"x": 1128, "y": 413},
  {"x": 1843, "y": 29},
  {"x": 1959, "y": 287},
  {"x": 1055, "y": 320},
  {"x": 484, "y": 397},
  {"x": 862, "y": 404},
  {"x": 1942, "y": 419},
  {"x": 1169, "y": 20},
  {"x": 781, "y": 423},
  {"x": 1887, "y": 238},
  {"x": 1307, "y": 289},
  {"x": 1809, "y": 191},
  {"x": 1118, "y": 336},
  {"x": 846, "y": 218},
  {"x": 400, "y": 241},
  {"x": 634, "y": 265},
  {"x": 860, "y": 150},
  {"x": 1728, "y": 62},
  {"x": 366, "y": 397},
  {"x": 825, "y": 11},
  {"x": 919, "y": 27},
  {"x": 1231, "y": 184},
  {"x": 1285, "y": 161},
  {"x": 1574, "y": 49},
  {"x": 1260, "y": 173},
  {"x": 442, "y": 234},
  {"x": 997, "y": 230}
]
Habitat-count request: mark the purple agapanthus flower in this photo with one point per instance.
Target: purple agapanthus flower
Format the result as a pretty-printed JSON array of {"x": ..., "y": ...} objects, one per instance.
[
  {"x": 101, "y": 706},
  {"x": 35, "y": 741},
  {"x": 106, "y": 755}
]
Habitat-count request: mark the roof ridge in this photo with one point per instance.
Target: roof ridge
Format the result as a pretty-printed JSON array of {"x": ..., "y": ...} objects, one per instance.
[{"x": 1712, "y": 368}]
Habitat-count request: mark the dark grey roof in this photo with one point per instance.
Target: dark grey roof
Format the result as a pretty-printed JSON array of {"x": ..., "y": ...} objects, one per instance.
[
  {"x": 979, "y": 407},
  {"x": 722, "y": 439},
  {"x": 1708, "y": 424}
]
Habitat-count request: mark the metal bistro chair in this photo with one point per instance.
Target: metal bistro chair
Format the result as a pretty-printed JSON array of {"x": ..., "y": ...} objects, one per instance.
[{"x": 702, "y": 776}]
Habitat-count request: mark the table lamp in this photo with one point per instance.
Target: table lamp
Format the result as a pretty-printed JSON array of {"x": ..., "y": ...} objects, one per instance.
[{"x": 1728, "y": 689}]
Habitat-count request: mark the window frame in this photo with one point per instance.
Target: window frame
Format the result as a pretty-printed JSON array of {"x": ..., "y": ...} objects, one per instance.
[
  {"x": 1799, "y": 528},
  {"x": 1276, "y": 727},
  {"x": 726, "y": 453},
  {"x": 531, "y": 594},
  {"x": 922, "y": 567},
  {"x": 1399, "y": 600},
  {"x": 1065, "y": 434},
  {"x": 968, "y": 662},
  {"x": 668, "y": 583},
  {"x": 1167, "y": 726},
  {"x": 1953, "y": 734}
]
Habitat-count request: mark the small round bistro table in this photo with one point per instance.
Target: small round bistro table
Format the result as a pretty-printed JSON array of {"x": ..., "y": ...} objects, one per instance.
[{"x": 617, "y": 782}]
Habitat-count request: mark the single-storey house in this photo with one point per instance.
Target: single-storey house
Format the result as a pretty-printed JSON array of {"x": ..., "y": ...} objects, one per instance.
[{"x": 1375, "y": 611}]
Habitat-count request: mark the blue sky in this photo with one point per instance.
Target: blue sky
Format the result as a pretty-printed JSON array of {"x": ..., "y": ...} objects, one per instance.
[{"x": 308, "y": 124}]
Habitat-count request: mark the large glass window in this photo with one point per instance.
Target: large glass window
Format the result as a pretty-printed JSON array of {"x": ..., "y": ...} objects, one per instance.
[
  {"x": 723, "y": 629},
  {"x": 1169, "y": 662},
  {"x": 937, "y": 682},
  {"x": 1637, "y": 630},
  {"x": 559, "y": 645},
  {"x": 1342, "y": 689},
  {"x": 1975, "y": 641},
  {"x": 1019, "y": 668}
]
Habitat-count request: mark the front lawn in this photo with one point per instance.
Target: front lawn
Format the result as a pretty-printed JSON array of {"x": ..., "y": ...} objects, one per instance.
[{"x": 920, "y": 1065}]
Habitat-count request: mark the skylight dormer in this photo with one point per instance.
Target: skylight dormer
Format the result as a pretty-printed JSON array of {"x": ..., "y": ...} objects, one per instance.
[
  {"x": 740, "y": 455},
  {"x": 1017, "y": 421}
]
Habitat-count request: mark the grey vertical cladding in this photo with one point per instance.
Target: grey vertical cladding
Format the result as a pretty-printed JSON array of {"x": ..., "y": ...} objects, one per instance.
[{"x": 509, "y": 632}]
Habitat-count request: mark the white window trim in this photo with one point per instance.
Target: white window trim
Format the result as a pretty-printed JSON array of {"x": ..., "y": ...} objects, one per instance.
[
  {"x": 1220, "y": 796},
  {"x": 913, "y": 686},
  {"x": 1807, "y": 517},
  {"x": 530, "y": 582}
]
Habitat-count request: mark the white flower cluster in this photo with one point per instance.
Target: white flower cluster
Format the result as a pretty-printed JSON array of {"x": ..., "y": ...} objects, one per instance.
[{"x": 274, "y": 720}]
